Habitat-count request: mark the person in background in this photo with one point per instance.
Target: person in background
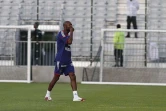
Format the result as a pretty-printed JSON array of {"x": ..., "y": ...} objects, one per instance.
[
  {"x": 119, "y": 39},
  {"x": 37, "y": 46},
  {"x": 132, "y": 7}
]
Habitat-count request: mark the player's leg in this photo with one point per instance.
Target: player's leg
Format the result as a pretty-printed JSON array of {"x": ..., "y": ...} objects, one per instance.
[
  {"x": 50, "y": 87},
  {"x": 74, "y": 87},
  {"x": 73, "y": 81},
  {"x": 57, "y": 72},
  {"x": 52, "y": 83},
  {"x": 70, "y": 71}
]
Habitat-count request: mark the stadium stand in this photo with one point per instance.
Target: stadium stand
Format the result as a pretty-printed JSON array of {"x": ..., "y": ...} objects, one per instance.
[
  {"x": 9, "y": 16},
  {"x": 135, "y": 48},
  {"x": 156, "y": 20}
]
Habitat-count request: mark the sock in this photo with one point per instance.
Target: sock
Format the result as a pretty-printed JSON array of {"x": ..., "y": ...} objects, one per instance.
[
  {"x": 48, "y": 93},
  {"x": 75, "y": 94}
]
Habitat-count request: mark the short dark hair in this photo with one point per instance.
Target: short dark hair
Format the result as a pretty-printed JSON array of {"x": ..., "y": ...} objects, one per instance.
[
  {"x": 118, "y": 26},
  {"x": 66, "y": 22},
  {"x": 36, "y": 23}
]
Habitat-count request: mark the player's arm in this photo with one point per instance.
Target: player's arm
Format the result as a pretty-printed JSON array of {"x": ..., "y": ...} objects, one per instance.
[{"x": 70, "y": 39}]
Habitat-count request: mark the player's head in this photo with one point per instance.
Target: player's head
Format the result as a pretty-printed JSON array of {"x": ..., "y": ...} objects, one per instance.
[
  {"x": 67, "y": 25},
  {"x": 118, "y": 26},
  {"x": 36, "y": 24}
]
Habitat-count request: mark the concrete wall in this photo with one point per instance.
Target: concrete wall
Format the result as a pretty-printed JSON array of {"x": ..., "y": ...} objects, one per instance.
[
  {"x": 139, "y": 75},
  {"x": 45, "y": 74},
  {"x": 13, "y": 73},
  {"x": 40, "y": 73}
]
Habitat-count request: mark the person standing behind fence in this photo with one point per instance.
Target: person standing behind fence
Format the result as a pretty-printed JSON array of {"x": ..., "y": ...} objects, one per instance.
[
  {"x": 119, "y": 39},
  {"x": 37, "y": 47},
  {"x": 133, "y": 7}
]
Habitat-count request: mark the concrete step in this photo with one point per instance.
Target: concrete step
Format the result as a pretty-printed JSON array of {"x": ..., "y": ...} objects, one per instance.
[
  {"x": 134, "y": 75},
  {"x": 141, "y": 75}
]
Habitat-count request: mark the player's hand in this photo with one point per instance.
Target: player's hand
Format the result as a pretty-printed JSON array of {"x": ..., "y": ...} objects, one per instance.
[{"x": 71, "y": 29}]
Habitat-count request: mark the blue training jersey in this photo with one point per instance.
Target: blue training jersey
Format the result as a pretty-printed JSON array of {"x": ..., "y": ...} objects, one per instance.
[{"x": 63, "y": 49}]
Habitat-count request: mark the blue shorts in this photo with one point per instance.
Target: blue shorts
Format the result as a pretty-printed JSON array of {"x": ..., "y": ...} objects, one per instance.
[{"x": 65, "y": 69}]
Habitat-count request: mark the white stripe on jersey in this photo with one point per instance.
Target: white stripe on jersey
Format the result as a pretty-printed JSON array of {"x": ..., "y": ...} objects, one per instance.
[
  {"x": 57, "y": 64},
  {"x": 63, "y": 34}
]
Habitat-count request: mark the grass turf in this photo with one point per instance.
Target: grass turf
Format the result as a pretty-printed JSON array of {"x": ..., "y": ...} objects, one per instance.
[{"x": 30, "y": 97}]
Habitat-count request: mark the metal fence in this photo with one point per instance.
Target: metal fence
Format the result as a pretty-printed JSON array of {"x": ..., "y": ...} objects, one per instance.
[
  {"x": 134, "y": 54},
  {"x": 42, "y": 54},
  {"x": 149, "y": 51},
  {"x": 146, "y": 51}
]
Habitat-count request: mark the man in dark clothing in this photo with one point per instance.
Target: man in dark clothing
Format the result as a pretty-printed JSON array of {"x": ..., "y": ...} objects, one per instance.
[
  {"x": 37, "y": 55},
  {"x": 133, "y": 7}
]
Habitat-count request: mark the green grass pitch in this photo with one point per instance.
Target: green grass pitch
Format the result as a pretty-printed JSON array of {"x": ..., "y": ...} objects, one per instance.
[{"x": 30, "y": 97}]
